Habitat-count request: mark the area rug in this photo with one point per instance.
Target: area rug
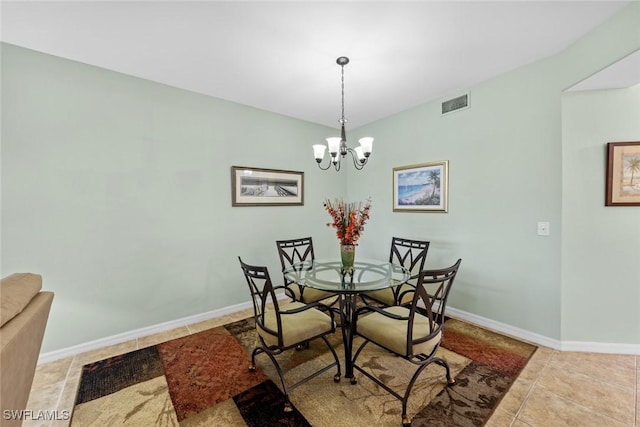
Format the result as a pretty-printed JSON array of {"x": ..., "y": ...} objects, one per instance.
[{"x": 203, "y": 380}]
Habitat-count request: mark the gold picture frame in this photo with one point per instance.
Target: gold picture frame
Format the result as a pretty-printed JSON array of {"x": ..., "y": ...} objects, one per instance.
[
  {"x": 266, "y": 187},
  {"x": 421, "y": 188},
  {"x": 623, "y": 174}
]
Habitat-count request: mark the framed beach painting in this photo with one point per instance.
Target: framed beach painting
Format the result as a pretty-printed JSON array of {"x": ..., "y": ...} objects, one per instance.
[
  {"x": 623, "y": 174},
  {"x": 266, "y": 187},
  {"x": 421, "y": 188}
]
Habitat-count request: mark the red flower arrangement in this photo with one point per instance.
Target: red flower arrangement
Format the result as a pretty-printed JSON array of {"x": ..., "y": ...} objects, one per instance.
[{"x": 348, "y": 219}]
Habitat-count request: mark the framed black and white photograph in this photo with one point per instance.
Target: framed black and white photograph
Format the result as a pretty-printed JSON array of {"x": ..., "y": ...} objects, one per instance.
[
  {"x": 421, "y": 188},
  {"x": 266, "y": 187}
]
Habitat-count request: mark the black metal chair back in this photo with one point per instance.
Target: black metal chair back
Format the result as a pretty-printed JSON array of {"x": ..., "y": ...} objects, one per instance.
[
  {"x": 430, "y": 299},
  {"x": 434, "y": 293},
  {"x": 263, "y": 297},
  {"x": 411, "y": 254},
  {"x": 293, "y": 251}
]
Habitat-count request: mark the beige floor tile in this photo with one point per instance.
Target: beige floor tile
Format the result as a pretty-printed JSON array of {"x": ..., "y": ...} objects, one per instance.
[
  {"x": 599, "y": 396},
  {"x": 74, "y": 374},
  {"x": 546, "y": 409},
  {"x": 52, "y": 372},
  {"x": 225, "y": 319},
  {"x": 206, "y": 324},
  {"x": 637, "y": 424},
  {"x": 536, "y": 365},
  {"x": 45, "y": 398},
  {"x": 614, "y": 369},
  {"x": 500, "y": 418},
  {"x": 67, "y": 399},
  {"x": 36, "y": 423},
  {"x": 239, "y": 316},
  {"x": 515, "y": 397},
  {"x": 103, "y": 353},
  {"x": 162, "y": 337},
  {"x": 60, "y": 423},
  {"x": 544, "y": 353},
  {"x": 638, "y": 405},
  {"x": 68, "y": 396},
  {"x": 48, "y": 419}
]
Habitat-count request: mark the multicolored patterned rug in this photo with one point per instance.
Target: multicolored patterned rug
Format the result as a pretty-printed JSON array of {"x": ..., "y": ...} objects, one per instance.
[{"x": 203, "y": 380}]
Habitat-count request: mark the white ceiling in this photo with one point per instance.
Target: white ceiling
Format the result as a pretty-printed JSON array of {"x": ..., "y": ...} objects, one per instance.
[
  {"x": 280, "y": 56},
  {"x": 624, "y": 73}
]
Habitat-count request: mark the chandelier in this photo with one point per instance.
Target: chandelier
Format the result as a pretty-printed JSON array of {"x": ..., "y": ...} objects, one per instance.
[{"x": 338, "y": 145}]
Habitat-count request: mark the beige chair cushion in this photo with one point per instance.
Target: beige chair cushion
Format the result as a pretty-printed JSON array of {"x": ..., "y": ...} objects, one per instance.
[
  {"x": 297, "y": 327},
  {"x": 386, "y": 297},
  {"x": 310, "y": 294},
  {"x": 16, "y": 291},
  {"x": 392, "y": 333}
]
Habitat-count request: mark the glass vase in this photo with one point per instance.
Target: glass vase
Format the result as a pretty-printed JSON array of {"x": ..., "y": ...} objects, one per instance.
[{"x": 347, "y": 256}]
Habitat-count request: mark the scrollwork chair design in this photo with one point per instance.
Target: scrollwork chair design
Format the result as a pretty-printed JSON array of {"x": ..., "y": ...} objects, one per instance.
[
  {"x": 294, "y": 251},
  {"x": 280, "y": 329},
  {"x": 411, "y": 254},
  {"x": 413, "y": 332}
]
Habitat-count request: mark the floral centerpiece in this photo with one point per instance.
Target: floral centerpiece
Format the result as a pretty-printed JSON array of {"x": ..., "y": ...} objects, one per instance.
[{"x": 348, "y": 220}]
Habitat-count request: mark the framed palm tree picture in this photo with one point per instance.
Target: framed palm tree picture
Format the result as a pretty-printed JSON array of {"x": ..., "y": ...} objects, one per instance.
[
  {"x": 421, "y": 188},
  {"x": 623, "y": 174}
]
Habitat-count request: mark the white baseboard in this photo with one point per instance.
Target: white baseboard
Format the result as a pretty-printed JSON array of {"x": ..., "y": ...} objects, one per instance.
[
  {"x": 453, "y": 312},
  {"x": 504, "y": 328},
  {"x": 139, "y": 333},
  {"x": 599, "y": 347},
  {"x": 522, "y": 334}
]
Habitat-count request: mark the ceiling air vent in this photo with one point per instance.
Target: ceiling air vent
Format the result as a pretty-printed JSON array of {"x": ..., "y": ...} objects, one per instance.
[{"x": 455, "y": 104}]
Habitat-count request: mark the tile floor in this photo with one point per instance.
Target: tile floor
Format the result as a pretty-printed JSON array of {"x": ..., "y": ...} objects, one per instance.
[{"x": 555, "y": 389}]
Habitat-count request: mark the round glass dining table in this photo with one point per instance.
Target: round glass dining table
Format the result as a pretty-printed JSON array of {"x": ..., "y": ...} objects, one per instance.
[{"x": 328, "y": 275}]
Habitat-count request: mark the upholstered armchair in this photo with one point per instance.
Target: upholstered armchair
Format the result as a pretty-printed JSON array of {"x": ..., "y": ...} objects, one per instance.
[
  {"x": 413, "y": 332},
  {"x": 282, "y": 328}
]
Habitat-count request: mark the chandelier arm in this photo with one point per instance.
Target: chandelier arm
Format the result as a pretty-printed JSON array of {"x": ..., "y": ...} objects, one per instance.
[
  {"x": 324, "y": 169},
  {"x": 336, "y": 165},
  {"x": 356, "y": 163}
]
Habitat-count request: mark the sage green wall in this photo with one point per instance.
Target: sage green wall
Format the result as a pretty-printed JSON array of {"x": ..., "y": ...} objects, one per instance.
[
  {"x": 600, "y": 245},
  {"x": 117, "y": 191},
  {"x": 504, "y": 158},
  {"x": 506, "y": 174}
]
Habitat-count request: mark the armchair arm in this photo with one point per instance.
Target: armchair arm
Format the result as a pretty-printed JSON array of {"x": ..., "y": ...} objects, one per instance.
[
  {"x": 287, "y": 291},
  {"x": 306, "y": 307},
  {"x": 368, "y": 308}
]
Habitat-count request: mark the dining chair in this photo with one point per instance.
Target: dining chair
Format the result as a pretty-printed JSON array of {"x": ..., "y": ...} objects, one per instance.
[
  {"x": 293, "y": 251},
  {"x": 413, "y": 332},
  {"x": 411, "y": 254},
  {"x": 282, "y": 328}
]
